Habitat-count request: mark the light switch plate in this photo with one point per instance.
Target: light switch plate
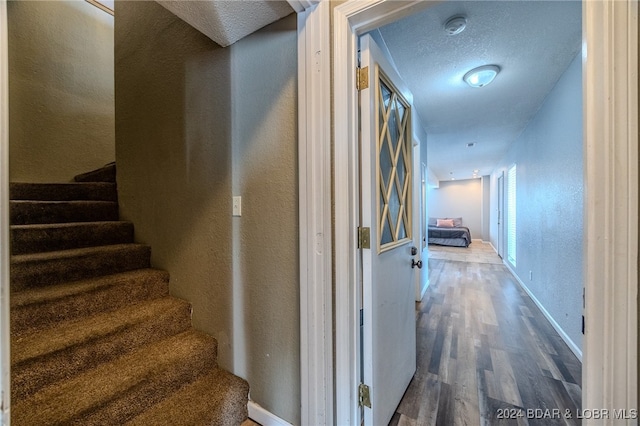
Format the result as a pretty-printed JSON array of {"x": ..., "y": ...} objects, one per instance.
[{"x": 237, "y": 206}]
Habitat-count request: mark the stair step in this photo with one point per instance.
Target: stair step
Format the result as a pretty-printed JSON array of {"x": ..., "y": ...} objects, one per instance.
[
  {"x": 103, "y": 174},
  {"x": 33, "y": 212},
  {"x": 48, "y": 355},
  {"x": 46, "y": 306},
  {"x": 41, "y": 269},
  {"x": 216, "y": 399},
  {"x": 73, "y": 191},
  {"x": 64, "y": 236},
  {"x": 115, "y": 392}
]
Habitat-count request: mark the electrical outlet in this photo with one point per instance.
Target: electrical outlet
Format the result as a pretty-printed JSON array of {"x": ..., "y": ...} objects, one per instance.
[
  {"x": 237, "y": 206},
  {"x": 530, "y": 275}
]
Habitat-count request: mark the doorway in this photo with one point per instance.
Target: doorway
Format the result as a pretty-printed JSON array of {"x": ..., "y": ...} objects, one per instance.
[
  {"x": 500, "y": 215},
  {"x": 600, "y": 19}
]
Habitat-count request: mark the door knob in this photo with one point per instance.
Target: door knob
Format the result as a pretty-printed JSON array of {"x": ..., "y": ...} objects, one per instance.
[{"x": 414, "y": 263}]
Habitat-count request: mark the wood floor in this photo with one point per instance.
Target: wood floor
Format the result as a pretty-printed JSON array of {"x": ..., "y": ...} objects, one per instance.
[{"x": 486, "y": 354}]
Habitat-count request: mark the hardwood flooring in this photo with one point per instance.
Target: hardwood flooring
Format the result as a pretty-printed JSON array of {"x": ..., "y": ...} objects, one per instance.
[{"x": 486, "y": 354}]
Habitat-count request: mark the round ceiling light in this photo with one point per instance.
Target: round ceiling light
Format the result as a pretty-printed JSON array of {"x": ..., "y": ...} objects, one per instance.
[
  {"x": 481, "y": 76},
  {"x": 455, "y": 25}
]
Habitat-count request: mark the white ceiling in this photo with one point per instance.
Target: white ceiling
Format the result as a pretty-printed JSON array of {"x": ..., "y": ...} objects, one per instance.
[
  {"x": 227, "y": 21},
  {"x": 532, "y": 41}
]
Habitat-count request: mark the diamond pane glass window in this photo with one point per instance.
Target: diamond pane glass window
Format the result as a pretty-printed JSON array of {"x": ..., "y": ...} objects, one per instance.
[{"x": 394, "y": 165}]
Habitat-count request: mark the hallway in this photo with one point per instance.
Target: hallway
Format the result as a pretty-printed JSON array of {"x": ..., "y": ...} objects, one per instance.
[{"x": 486, "y": 354}]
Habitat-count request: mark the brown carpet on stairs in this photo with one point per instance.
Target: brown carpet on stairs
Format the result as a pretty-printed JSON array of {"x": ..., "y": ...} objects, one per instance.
[{"x": 96, "y": 337}]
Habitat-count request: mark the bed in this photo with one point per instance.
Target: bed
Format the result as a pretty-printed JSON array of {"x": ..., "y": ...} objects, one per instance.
[{"x": 448, "y": 232}]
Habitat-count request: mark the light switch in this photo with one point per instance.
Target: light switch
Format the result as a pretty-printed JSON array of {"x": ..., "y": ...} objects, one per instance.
[{"x": 237, "y": 206}]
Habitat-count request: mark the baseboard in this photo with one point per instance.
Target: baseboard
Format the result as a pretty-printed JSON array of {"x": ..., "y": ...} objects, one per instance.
[
  {"x": 264, "y": 417},
  {"x": 574, "y": 348}
]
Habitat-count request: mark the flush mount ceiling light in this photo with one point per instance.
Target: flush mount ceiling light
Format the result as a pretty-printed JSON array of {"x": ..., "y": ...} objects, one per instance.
[
  {"x": 481, "y": 76},
  {"x": 455, "y": 25}
]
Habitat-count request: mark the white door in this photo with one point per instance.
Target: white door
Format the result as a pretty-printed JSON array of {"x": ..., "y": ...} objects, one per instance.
[{"x": 388, "y": 185}]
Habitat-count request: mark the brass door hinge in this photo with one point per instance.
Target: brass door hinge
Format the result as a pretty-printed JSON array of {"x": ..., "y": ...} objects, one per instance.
[
  {"x": 362, "y": 78},
  {"x": 364, "y": 238},
  {"x": 364, "y": 397}
]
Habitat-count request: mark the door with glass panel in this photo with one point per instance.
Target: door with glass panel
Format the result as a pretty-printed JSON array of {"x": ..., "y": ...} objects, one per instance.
[{"x": 388, "y": 186}]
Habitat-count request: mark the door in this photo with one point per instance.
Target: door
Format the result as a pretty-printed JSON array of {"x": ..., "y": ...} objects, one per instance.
[
  {"x": 501, "y": 216},
  {"x": 388, "y": 340}
]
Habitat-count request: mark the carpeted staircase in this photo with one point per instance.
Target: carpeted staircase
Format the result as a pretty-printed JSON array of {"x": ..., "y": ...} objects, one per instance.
[{"x": 95, "y": 337}]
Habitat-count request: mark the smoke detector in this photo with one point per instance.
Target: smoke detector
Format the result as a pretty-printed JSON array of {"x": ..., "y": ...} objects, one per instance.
[{"x": 455, "y": 25}]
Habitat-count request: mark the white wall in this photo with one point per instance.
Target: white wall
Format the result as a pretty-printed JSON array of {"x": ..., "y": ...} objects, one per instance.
[
  {"x": 549, "y": 203},
  {"x": 459, "y": 198},
  {"x": 61, "y": 86}
]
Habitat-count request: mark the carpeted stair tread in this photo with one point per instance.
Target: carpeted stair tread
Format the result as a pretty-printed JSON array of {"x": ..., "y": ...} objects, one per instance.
[
  {"x": 106, "y": 173},
  {"x": 47, "y": 341},
  {"x": 74, "y": 191},
  {"x": 96, "y": 338},
  {"x": 40, "y": 269},
  {"x": 48, "y": 305},
  {"x": 48, "y": 355},
  {"x": 64, "y": 236},
  {"x": 117, "y": 391},
  {"x": 215, "y": 399},
  {"x": 25, "y": 212}
]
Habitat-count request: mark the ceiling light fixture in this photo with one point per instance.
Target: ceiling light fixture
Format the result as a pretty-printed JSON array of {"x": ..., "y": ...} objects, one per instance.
[
  {"x": 455, "y": 25},
  {"x": 481, "y": 76}
]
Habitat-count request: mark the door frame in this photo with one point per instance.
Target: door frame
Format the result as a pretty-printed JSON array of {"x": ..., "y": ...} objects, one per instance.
[
  {"x": 500, "y": 227},
  {"x": 5, "y": 361}
]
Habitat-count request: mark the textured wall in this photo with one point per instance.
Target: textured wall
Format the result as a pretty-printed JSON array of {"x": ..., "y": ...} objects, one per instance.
[
  {"x": 459, "y": 198},
  {"x": 196, "y": 124},
  {"x": 61, "y": 118},
  {"x": 549, "y": 198}
]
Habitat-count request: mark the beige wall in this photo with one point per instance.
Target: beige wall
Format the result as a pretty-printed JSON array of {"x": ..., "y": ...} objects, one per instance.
[
  {"x": 197, "y": 124},
  {"x": 265, "y": 174},
  {"x": 61, "y": 116},
  {"x": 459, "y": 198}
]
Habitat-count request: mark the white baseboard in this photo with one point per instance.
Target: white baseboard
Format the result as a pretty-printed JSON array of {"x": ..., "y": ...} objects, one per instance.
[
  {"x": 574, "y": 348},
  {"x": 264, "y": 417}
]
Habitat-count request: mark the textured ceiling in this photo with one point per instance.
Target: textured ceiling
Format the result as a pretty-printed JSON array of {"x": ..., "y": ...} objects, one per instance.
[
  {"x": 532, "y": 41},
  {"x": 227, "y": 21}
]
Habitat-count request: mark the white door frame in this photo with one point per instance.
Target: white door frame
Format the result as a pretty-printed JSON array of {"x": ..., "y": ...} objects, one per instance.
[
  {"x": 611, "y": 194},
  {"x": 5, "y": 362},
  {"x": 610, "y": 98},
  {"x": 314, "y": 160},
  {"x": 500, "y": 184},
  {"x": 611, "y": 208}
]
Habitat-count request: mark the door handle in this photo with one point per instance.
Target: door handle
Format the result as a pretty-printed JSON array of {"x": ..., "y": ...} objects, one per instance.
[{"x": 414, "y": 264}]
